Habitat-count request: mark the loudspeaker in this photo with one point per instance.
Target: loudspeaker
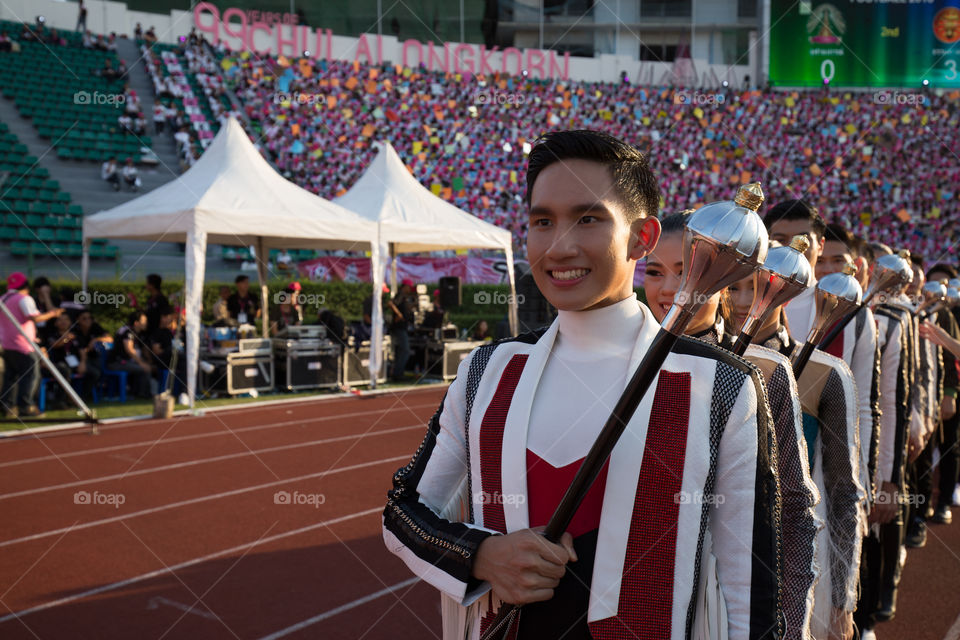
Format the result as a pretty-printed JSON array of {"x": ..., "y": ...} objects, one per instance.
[
  {"x": 533, "y": 311},
  {"x": 450, "y": 293}
]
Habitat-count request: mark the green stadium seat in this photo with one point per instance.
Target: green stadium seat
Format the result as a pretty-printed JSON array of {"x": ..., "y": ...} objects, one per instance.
[
  {"x": 19, "y": 248},
  {"x": 8, "y": 233},
  {"x": 45, "y": 234}
]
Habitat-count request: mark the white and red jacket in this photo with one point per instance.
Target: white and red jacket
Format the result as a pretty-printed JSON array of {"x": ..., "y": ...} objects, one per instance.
[{"x": 698, "y": 454}]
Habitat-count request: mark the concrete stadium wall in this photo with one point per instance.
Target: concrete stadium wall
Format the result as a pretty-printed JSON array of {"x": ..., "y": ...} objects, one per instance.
[{"x": 104, "y": 16}]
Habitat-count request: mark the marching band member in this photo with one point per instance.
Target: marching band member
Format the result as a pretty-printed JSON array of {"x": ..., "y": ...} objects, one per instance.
[
  {"x": 897, "y": 343},
  {"x": 829, "y": 447},
  {"x": 662, "y": 276},
  {"x": 695, "y": 463}
]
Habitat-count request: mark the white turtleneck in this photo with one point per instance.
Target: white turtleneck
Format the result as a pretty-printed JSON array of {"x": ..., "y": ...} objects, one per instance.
[{"x": 582, "y": 379}]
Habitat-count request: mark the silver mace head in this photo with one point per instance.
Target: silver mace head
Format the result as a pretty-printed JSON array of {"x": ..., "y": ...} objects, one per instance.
[
  {"x": 936, "y": 296},
  {"x": 890, "y": 273},
  {"x": 723, "y": 242},
  {"x": 953, "y": 297},
  {"x": 836, "y": 295},
  {"x": 954, "y": 282},
  {"x": 783, "y": 275},
  {"x": 932, "y": 292}
]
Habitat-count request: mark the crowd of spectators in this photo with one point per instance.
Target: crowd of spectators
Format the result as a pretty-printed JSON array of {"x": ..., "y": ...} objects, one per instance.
[
  {"x": 881, "y": 162},
  {"x": 177, "y": 106}
]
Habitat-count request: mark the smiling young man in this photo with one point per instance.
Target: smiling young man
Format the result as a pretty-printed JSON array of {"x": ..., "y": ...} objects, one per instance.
[{"x": 696, "y": 457}]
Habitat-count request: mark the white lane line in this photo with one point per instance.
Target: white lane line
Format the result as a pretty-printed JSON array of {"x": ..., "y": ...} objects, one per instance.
[
  {"x": 193, "y": 463},
  {"x": 156, "y": 601},
  {"x": 127, "y": 422},
  {"x": 183, "y": 565},
  {"x": 207, "y": 498},
  {"x": 195, "y": 436},
  {"x": 338, "y": 610},
  {"x": 954, "y": 632}
]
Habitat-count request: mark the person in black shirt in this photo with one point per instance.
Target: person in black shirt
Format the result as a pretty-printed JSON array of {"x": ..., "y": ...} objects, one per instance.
[
  {"x": 128, "y": 354},
  {"x": 62, "y": 352},
  {"x": 162, "y": 348},
  {"x": 287, "y": 311},
  {"x": 402, "y": 306},
  {"x": 87, "y": 334},
  {"x": 243, "y": 307},
  {"x": 157, "y": 303}
]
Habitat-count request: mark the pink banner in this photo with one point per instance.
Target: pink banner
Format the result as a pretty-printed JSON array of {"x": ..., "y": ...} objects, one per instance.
[{"x": 419, "y": 269}]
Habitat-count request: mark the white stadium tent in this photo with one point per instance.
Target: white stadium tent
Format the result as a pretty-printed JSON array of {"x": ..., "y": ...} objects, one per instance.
[
  {"x": 409, "y": 218},
  {"x": 231, "y": 196}
]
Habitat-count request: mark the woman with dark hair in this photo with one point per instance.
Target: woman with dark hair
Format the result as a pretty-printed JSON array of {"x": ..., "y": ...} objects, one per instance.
[{"x": 663, "y": 274}]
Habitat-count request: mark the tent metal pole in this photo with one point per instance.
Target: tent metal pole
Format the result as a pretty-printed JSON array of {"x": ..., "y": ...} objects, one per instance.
[
  {"x": 393, "y": 270},
  {"x": 264, "y": 294}
]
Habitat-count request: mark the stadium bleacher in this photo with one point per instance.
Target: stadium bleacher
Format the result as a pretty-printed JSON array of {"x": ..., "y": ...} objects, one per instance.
[
  {"x": 60, "y": 89},
  {"x": 36, "y": 215}
]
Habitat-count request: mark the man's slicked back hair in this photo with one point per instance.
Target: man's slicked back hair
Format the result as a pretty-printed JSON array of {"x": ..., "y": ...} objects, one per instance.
[
  {"x": 836, "y": 232},
  {"x": 636, "y": 186},
  {"x": 795, "y": 210}
]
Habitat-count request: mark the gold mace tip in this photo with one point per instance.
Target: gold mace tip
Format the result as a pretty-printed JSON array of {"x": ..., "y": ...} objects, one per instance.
[
  {"x": 800, "y": 243},
  {"x": 749, "y": 196},
  {"x": 904, "y": 253},
  {"x": 849, "y": 269}
]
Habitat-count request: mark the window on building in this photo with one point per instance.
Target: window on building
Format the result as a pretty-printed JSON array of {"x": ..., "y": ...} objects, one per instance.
[
  {"x": 658, "y": 52},
  {"x": 665, "y": 8},
  {"x": 746, "y": 8}
]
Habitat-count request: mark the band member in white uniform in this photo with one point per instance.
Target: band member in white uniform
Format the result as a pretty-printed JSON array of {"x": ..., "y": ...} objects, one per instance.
[{"x": 689, "y": 496}]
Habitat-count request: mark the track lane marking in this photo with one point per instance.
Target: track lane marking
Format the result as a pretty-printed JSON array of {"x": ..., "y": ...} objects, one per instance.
[
  {"x": 193, "y": 463},
  {"x": 201, "y": 499},
  {"x": 195, "y": 436},
  {"x": 338, "y": 610},
  {"x": 183, "y": 565}
]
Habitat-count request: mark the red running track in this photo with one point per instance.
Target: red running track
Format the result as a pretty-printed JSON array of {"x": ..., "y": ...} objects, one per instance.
[{"x": 175, "y": 529}]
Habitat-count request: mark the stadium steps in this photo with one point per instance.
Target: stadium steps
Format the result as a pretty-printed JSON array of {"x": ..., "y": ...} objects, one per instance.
[{"x": 81, "y": 179}]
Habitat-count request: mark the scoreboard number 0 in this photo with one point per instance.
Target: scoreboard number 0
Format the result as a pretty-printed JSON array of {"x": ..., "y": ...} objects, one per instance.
[{"x": 827, "y": 70}]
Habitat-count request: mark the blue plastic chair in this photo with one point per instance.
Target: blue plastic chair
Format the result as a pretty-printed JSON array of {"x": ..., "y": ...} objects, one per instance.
[
  {"x": 75, "y": 380},
  {"x": 110, "y": 379}
]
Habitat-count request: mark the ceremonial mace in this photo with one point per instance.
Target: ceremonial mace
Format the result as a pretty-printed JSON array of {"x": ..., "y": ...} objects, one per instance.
[
  {"x": 935, "y": 298},
  {"x": 890, "y": 272},
  {"x": 949, "y": 301},
  {"x": 835, "y": 296},
  {"x": 783, "y": 275},
  {"x": 723, "y": 242}
]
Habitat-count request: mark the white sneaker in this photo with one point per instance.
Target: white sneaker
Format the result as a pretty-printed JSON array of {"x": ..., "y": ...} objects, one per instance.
[
  {"x": 868, "y": 634},
  {"x": 903, "y": 555},
  {"x": 184, "y": 399},
  {"x": 956, "y": 496}
]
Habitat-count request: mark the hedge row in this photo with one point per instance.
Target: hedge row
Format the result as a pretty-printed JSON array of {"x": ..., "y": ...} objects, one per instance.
[{"x": 112, "y": 300}]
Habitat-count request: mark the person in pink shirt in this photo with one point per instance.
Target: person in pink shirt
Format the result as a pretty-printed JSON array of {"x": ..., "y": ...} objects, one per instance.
[{"x": 21, "y": 362}]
